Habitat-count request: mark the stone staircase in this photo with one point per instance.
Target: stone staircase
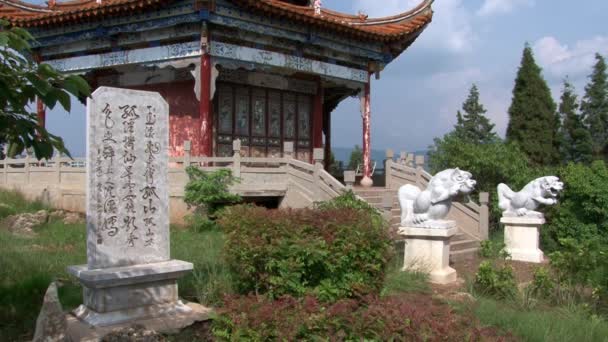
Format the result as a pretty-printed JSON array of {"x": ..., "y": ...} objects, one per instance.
[{"x": 462, "y": 246}]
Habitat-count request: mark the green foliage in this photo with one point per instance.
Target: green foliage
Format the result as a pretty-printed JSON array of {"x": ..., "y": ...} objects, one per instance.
[
  {"x": 595, "y": 108},
  {"x": 575, "y": 144},
  {"x": 495, "y": 281},
  {"x": 21, "y": 81},
  {"x": 333, "y": 253},
  {"x": 493, "y": 250},
  {"x": 533, "y": 120},
  {"x": 491, "y": 164},
  {"x": 13, "y": 202},
  {"x": 356, "y": 158},
  {"x": 200, "y": 223},
  {"x": 583, "y": 210},
  {"x": 209, "y": 190},
  {"x": 474, "y": 127},
  {"x": 542, "y": 285}
]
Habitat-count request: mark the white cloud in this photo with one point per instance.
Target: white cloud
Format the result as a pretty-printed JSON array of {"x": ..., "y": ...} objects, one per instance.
[
  {"x": 492, "y": 7},
  {"x": 561, "y": 60},
  {"x": 450, "y": 30},
  {"x": 454, "y": 81}
]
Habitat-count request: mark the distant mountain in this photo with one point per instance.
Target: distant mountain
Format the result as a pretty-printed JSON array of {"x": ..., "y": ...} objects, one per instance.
[{"x": 343, "y": 154}]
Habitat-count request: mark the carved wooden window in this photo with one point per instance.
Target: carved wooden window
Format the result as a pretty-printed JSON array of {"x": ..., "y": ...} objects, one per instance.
[{"x": 263, "y": 119}]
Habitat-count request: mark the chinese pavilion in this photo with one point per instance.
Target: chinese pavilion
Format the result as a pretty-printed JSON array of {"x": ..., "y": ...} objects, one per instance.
[{"x": 262, "y": 71}]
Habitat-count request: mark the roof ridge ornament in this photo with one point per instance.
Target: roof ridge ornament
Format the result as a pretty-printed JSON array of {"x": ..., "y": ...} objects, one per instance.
[{"x": 316, "y": 5}]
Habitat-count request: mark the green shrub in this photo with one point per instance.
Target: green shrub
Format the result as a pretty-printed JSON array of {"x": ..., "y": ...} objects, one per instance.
[
  {"x": 493, "y": 249},
  {"x": 542, "y": 285},
  {"x": 209, "y": 190},
  {"x": 200, "y": 223},
  {"x": 583, "y": 210},
  {"x": 333, "y": 253},
  {"x": 495, "y": 281}
]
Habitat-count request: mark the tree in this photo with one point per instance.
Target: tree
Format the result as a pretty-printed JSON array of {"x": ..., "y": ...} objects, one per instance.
[
  {"x": 474, "y": 126},
  {"x": 595, "y": 108},
  {"x": 356, "y": 158},
  {"x": 21, "y": 82},
  {"x": 576, "y": 143},
  {"x": 533, "y": 123}
]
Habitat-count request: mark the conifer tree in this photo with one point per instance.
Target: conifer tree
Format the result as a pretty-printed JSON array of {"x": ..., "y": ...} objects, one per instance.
[
  {"x": 473, "y": 126},
  {"x": 595, "y": 108},
  {"x": 576, "y": 143},
  {"x": 533, "y": 119}
]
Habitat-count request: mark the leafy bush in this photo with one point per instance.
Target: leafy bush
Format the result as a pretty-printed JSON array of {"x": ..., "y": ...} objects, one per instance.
[
  {"x": 209, "y": 190},
  {"x": 495, "y": 281},
  {"x": 583, "y": 210},
  {"x": 333, "y": 253},
  {"x": 490, "y": 164},
  {"x": 401, "y": 318},
  {"x": 200, "y": 223},
  {"x": 493, "y": 249},
  {"x": 542, "y": 285}
]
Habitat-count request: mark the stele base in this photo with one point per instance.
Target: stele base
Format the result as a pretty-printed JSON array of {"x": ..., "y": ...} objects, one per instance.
[
  {"x": 428, "y": 250},
  {"x": 143, "y": 294},
  {"x": 522, "y": 238}
]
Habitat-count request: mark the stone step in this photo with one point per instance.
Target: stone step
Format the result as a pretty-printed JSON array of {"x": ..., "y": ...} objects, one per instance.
[
  {"x": 460, "y": 245},
  {"x": 463, "y": 254}
]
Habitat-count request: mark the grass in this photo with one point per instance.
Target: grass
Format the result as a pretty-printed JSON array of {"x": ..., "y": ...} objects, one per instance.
[
  {"x": 29, "y": 265},
  {"x": 13, "y": 202},
  {"x": 551, "y": 324}
]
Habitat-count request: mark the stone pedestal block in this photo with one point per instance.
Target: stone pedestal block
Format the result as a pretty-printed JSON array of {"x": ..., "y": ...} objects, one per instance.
[
  {"x": 522, "y": 238},
  {"x": 131, "y": 293},
  {"x": 428, "y": 250}
]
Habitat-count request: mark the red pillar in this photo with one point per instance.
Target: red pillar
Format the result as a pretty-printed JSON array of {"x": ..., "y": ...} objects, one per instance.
[
  {"x": 205, "y": 107},
  {"x": 317, "y": 118},
  {"x": 366, "y": 114},
  {"x": 40, "y": 110},
  {"x": 327, "y": 140}
]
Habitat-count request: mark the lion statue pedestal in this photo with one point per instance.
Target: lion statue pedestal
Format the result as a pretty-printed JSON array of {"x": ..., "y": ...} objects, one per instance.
[
  {"x": 522, "y": 238},
  {"x": 427, "y": 250},
  {"x": 521, "y": 219},
  {"x": 423, "y": 225}
]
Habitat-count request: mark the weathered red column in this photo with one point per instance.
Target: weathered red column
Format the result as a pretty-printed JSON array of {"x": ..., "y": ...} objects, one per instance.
[
  {"x": 317, "y": 118},
  {"x": 40, "y": 110},
  {"x": 327, "y": 125},
  {"x": 366, "y": 115},
  {"x": 205, "y": 106}
]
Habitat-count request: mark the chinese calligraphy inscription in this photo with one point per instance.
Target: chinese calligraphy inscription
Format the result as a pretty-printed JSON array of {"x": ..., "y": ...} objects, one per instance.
[{"x": 128, "y": 200}]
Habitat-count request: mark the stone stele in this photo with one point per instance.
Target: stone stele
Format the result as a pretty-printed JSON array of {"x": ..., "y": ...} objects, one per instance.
[{"x": 129, "y": 276}]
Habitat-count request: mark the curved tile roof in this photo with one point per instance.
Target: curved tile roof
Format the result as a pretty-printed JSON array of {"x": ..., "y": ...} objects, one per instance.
[{"x": 393, "y": 28}]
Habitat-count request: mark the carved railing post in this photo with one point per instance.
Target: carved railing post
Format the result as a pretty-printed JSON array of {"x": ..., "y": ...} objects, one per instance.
[
  {"x": 318, "y": 156},
  {"x": 419, "y": 161},
  {"x": 27, "y": 167},
  {"x": 484, "y": 215},
  {"x": 388, "y": 162},
  {"x": 403, "y": 158},
  {"x": 236, "y": 165},
  {"x": 349, "y": 179},
  {"x": 187, "y": 153},
  {"x": 409, "y": 160},
  {"x": 57, "y": 167},
  {"x": 5, "y": 169},
  {"x": 288, "y": 150}
]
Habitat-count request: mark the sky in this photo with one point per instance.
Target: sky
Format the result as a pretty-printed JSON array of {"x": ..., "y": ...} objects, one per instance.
[{"x": 469, "y": 41}]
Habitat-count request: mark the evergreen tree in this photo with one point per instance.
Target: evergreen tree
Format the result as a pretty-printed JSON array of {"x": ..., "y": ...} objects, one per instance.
[
  {"x": 534, "y": 122},
  {"x": 595, "y": 108},
  {"x": 576, "y": 143},
  {"x": 356, "y": 158},
  {"x": 474, "y": 126}
]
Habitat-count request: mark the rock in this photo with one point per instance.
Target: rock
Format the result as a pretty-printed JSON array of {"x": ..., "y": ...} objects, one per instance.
[
  {"x": 51, "y": 324},
  {"x": 57, "y": 215},
  {"x": 73, "y": 218},
  {"x": 24, "y": 224},
  {"x": 135, "y": 333}
]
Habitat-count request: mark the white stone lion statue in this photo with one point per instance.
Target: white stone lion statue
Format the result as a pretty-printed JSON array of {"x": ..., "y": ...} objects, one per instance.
[
  {"x": 543, "y": 190},
  {"x": 428, "y": 208}
]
